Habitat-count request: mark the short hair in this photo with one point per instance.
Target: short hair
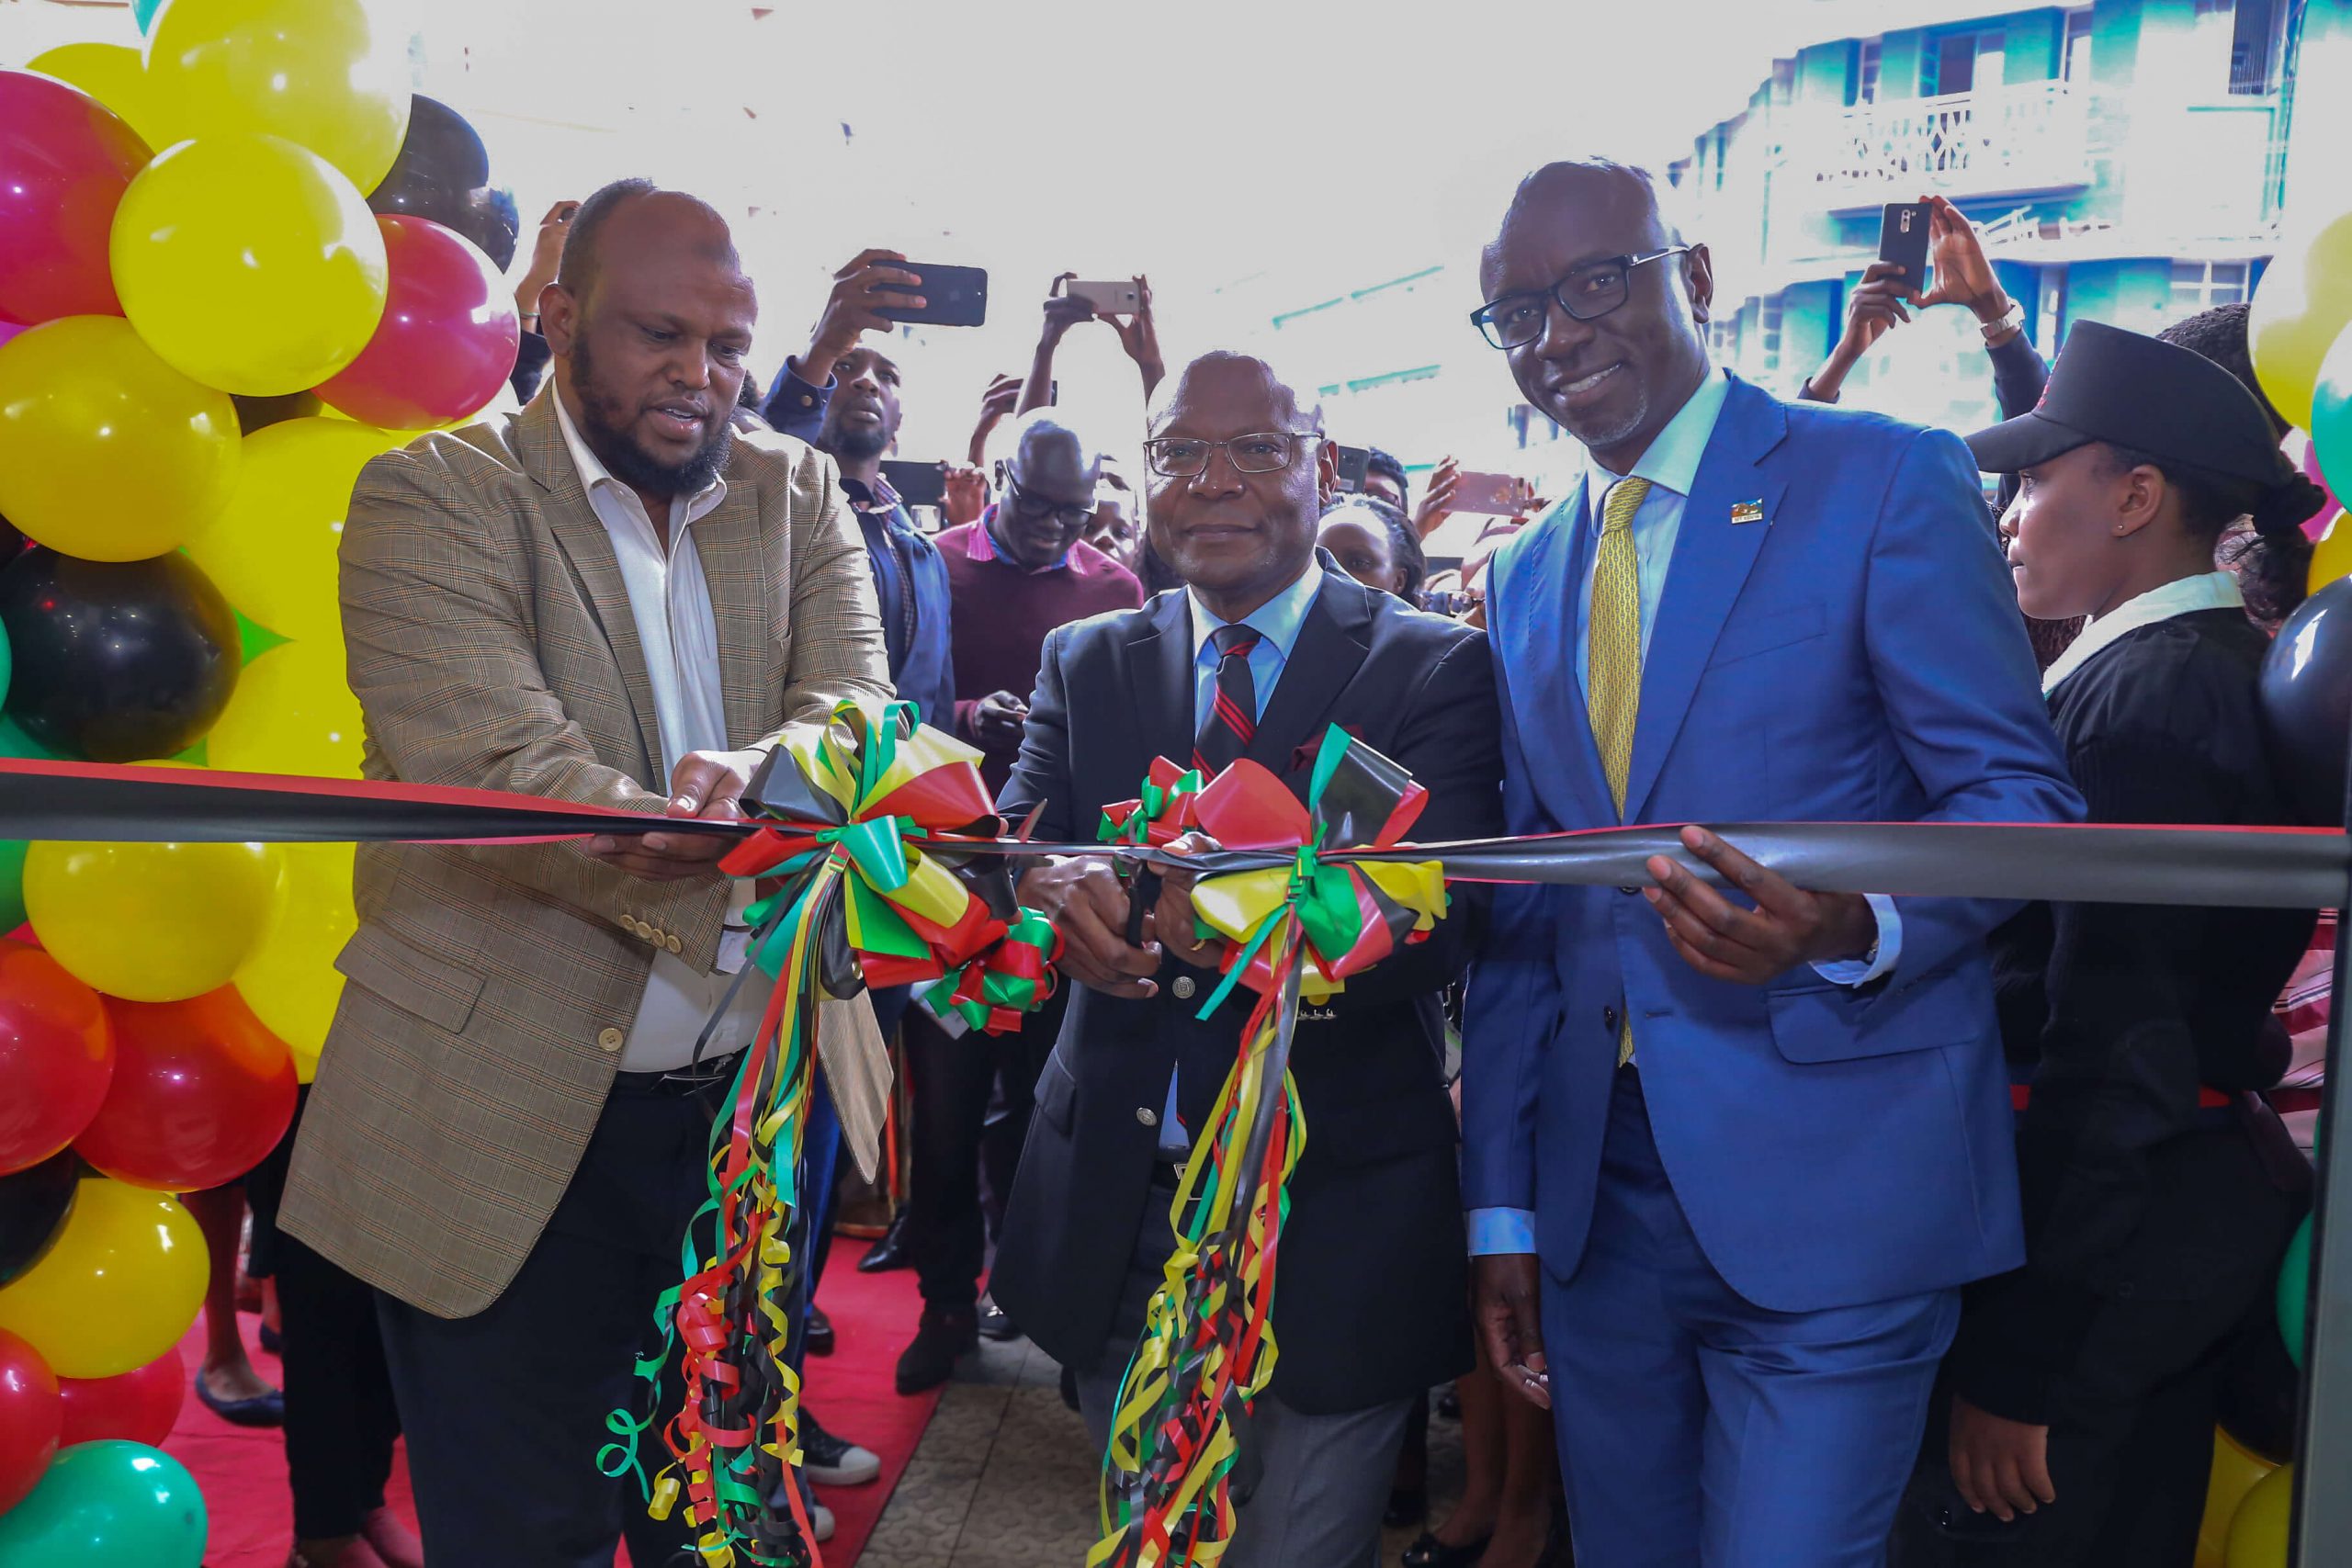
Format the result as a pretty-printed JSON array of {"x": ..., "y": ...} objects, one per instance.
[
  {"x": 1665, "y": 201},
  {"x": 2220, "y": 334},
  {"x": 1049, "y": 425},
  {"x": 1403, "y": 542},
  {"x": 1379, "y": 462},
  {"x": 1174, "y": 384},
  {"x": 582, "y": 246}
]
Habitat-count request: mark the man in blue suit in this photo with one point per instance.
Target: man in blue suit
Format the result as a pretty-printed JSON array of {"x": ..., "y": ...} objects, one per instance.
[{"x": 1758, "y": 1140}]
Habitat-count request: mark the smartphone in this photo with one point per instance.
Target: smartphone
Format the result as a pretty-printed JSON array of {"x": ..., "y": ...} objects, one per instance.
[
  {"x": 1108, "y": 298},
  {"x": 918, "y": 484},
  {"x": 1351, "y": 466},
  {"x": 1495, "y": 495},
  {"x": 953, "y": 296},
  {"x": 1903, "y": 240}
]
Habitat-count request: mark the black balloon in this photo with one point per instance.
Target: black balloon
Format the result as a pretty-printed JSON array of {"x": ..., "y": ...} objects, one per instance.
[
  {"x": 2256, "y": 1385},
  {"x": 2307, "y": 701},
  {"x": 12, "y": 541},
  {"x": 443, "y": 173},
  {"x": 34, "y": 1203},
  {"x": 260, "y": 414},
  {"x": 118, "y": 661}
]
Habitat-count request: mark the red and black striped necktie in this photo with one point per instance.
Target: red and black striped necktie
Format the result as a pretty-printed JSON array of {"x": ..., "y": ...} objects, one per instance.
[{"x": 1233, "y": 714}]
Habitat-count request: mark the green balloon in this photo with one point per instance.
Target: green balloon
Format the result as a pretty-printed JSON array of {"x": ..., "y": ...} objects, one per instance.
[
  {"x": 2295, "y": 1292},
  {"x": 15, "y": 742},
  {"x": 143, "y": 12},
  {"x": 108, "y": 1505}
]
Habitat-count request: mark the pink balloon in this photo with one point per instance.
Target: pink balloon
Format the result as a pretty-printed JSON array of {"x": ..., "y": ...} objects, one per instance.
[
  {"x": 2317, "y": 524},
  {"x": 64, "y": 161},
  {"x": 447, "y": 340}
]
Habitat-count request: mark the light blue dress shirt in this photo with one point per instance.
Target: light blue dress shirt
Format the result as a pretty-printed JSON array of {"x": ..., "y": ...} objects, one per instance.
[
  {"x": 1277, "y": 622},
  {"x": 1671, "y": 465}
]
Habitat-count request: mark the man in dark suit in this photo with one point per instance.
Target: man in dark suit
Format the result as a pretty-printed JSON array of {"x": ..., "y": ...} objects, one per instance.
[{"x": 1267, "y": 645}]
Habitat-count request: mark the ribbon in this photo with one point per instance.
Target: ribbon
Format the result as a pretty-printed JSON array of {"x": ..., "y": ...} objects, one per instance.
[{"x": 1207, "y": 1349}]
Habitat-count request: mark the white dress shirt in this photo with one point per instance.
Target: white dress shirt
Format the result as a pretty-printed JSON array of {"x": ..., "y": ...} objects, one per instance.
[{"x": 669, "y": 599}]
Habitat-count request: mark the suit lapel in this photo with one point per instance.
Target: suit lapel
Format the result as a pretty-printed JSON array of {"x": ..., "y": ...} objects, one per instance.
[
  {"x": 1712, "y": 556},
  {"x": 1332, "y": 642},
  {"x": 1160, "y": 678},
  {"x": 735, "y": 566},
  {"x": 541, "y": 447}
]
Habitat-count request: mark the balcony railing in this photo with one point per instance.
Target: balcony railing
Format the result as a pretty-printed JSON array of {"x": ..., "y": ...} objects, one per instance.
[{"x": 2003, "y": 140}]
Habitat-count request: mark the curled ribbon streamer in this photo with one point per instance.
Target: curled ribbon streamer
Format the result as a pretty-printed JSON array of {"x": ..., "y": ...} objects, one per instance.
[{"x": 1207, "y": 1349}]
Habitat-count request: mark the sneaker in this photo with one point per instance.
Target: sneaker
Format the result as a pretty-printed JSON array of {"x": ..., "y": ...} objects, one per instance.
[
  {"x": 820, "y": 1522},
  {"x": 929, "y": 1359},
  {"x": 835, "y": 1462},
  {"x": 997, "y": 1323}
]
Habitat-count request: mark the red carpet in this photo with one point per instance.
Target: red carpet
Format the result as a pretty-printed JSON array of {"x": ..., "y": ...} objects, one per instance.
[{"x": 242, "y": 1472}]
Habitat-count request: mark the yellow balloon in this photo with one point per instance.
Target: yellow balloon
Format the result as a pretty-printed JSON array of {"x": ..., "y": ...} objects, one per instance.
[
  {"x": 2331, "y": 554},
  {"x": 111, "y": 73},
  {"x": 2234, "y": 1473},
  {"x": 271, "y": 551},
  {"x": 290, "y": 981},
  {"x": 293, "y": 712},
  {"x": 106, "y": 452},
  {"x": 248, "y": 262},
  {"x": 118, "y": 1287},
  {"x": 2258, "y": 1531},
  {"x": 331, "y": 75},
  {"x": 2305, "y": 301},
  {"x": 151, "y": 922}
]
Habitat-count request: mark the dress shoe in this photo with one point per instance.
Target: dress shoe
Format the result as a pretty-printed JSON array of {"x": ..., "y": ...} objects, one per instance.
[
  {"x": 929, "y": 1359},
  {"x": 1406, "y": 1506},
  {"x": 1430, "y": 1552},
  {"x": 817, "y": 1334},
  {"x": 996, "y": 1323},
  {"x": 833, "y": 1462},
  {"x": 890, "y": 1252}
]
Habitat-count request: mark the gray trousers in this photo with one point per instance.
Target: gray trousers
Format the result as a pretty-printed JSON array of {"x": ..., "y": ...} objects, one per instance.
[{"x": 1309, "y": 1489}]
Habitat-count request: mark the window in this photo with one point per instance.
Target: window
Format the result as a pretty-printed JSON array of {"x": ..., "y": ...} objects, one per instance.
[
  {"x": 2200, "y": 286},
  {"x": 1866, "y": 73},
  {"x": 1958, "y": 62},
  {"x": 2077, "y": 64},
  {"x": 2256, "y": 32}
]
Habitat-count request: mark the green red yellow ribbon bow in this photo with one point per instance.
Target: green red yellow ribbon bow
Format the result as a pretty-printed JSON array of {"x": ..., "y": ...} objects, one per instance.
[{"x": 1207, "y": 1349}]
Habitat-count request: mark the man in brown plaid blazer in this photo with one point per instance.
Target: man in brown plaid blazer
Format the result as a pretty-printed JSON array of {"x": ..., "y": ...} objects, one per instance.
[{"x": 606, "y": 599}]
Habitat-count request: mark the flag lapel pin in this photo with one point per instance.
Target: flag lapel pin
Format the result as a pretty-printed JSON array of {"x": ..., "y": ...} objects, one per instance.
[{"x": 1747, "y": 512}]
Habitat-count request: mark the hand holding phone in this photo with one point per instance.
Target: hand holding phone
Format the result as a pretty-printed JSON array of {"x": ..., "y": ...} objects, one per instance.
[
  {"x": 947, "y": 297},
  {"x": 1903, "y": 238},
  {"x": 1108, "y": 298}
]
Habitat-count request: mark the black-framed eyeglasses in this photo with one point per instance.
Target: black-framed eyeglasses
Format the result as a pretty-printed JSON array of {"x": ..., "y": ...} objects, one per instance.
[
  {"x": 1262, "y": 452},
  {"x": 1589, "y": 293},
  {"x": 1037, "y": 508}
]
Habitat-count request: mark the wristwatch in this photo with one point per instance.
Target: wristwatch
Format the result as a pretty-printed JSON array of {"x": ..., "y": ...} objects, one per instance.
[{"x": 2010, "y": 321}]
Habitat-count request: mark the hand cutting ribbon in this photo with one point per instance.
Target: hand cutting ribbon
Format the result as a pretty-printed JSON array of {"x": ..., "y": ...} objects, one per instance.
[
  {"x": 865, "y": 820},
  {"x": 1208, "y": 1348}
]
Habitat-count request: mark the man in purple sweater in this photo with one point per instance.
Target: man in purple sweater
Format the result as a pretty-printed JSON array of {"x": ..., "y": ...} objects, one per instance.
[{"x": 1014, "y": 576}]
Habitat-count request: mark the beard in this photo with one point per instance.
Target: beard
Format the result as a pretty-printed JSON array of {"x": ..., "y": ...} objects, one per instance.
[
  {"x": 605, "y": 425},
  {"x": 857, "y": 445}
]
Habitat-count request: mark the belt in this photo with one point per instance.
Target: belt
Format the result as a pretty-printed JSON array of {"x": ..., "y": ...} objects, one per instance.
[{"x": 679, "y": 1083}]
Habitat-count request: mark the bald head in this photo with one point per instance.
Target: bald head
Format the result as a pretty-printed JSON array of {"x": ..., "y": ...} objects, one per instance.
[
  {"x": 632, "y": 213},
  {"x": 1049, "y": 490},
  {"x": 1602, "y": 303},
  {"x": 1216, "y": 377}
]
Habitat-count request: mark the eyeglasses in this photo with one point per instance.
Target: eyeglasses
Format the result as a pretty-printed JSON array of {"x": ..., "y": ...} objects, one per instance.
[
  {"x": 1036, "y": 508},
  {"x": 1266, "y": 452},
  {"x": 1589, "y": 293}
]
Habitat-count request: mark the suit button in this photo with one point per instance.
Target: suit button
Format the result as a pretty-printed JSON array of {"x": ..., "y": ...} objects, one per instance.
[
  {"x": 611, "y": 1040},
  {"x": 1146, "y": 1115},
  {"x": 628, "y": 922},
  {"x": 673, "y": 944},
  {"x": 1184, "y": 988},
  {"x": 1609, "y": 1019}
]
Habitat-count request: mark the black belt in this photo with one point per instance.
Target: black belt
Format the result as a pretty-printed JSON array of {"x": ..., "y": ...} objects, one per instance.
[{"x": 679, "y": 1083}]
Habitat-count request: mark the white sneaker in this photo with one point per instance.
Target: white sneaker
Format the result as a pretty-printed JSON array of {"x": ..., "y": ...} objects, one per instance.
[
  {"x": 820, "y": 1523},
  {"x": 829, "y": 1461}
]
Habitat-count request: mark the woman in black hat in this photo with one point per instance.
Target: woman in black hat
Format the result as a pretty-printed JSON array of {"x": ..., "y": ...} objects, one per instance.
[{"x": 2159, "y": 1190}]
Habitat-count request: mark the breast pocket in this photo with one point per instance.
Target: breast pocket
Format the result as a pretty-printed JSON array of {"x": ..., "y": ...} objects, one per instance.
[{"x": 1782, "y": 627}]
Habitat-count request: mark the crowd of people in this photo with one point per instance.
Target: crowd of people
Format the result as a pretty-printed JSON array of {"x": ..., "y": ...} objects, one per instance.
[{"x": 1828, "y": 1228}]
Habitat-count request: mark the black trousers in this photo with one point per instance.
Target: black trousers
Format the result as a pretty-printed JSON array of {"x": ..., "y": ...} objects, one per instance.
[
  {"x": 340, "y": 1419},
  {"x": 2131, "y": 1423},
  {"x": 505, "y": 1411},
  {"x": 953, "y": 1082}
]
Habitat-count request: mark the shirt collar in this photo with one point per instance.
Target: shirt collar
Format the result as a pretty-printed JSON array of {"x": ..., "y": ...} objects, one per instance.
[
  {"x": 984, "y": 547},
  {"x": 593, "y": 474},
  {"x": 877, "y": 496},
  {"x": 1278, "y": 619},
  {"x": 2181, "y": 596},
  {"x": 1672, "y": 460}
]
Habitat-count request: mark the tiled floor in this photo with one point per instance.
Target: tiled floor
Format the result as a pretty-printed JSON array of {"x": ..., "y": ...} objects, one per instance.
[{"x": 1004, "y": 1475}]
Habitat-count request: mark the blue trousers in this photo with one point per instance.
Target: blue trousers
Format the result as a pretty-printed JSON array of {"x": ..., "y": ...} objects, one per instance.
[{"x": 1697, "y": 1428}]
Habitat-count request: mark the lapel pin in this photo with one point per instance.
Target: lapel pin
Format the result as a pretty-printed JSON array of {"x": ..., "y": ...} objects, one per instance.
[{"x": 1747, "y": 512}]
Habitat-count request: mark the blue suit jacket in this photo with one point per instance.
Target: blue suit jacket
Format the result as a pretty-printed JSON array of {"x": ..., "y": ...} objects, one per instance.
[{"x": 1857, "y": 654}]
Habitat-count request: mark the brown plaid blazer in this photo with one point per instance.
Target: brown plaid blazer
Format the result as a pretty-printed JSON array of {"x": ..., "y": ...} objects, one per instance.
[{"x": 490, "y": 988}]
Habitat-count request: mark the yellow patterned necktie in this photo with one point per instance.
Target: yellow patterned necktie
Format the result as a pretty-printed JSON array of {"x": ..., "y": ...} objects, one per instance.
[{"x": 1614, "y": 672}]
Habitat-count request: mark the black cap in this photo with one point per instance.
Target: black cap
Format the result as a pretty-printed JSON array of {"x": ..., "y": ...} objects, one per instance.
[{"x": 2129, "y": 390}]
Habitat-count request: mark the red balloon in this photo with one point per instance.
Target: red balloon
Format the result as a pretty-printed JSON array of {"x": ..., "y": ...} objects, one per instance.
[
  {"x": 447, "y": 340},
  {"x": 64, "y": 161},
  {"x": 56, "y": 1056},
  {"x": 30, "y": 1415},
  {"x": 202, "y": 1092},
  {"x": 138, "y": 1406}
]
